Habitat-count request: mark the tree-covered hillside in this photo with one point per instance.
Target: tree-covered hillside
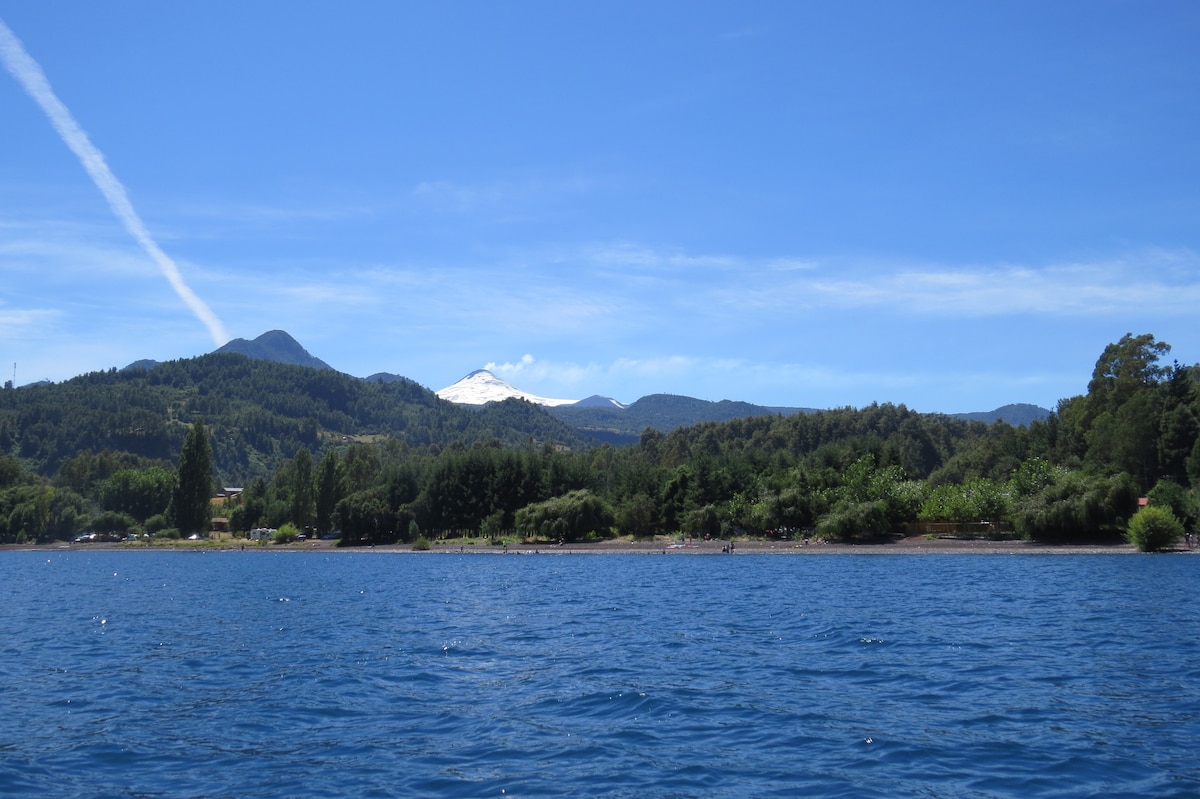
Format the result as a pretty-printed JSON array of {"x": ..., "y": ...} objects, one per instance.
[{"x": 258, "y": 412}]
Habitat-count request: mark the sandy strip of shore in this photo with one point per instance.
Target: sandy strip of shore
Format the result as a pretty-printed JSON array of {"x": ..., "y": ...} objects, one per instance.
[
  {"x": 917, "y": 545},
  {"x": 914, "y": 545}
]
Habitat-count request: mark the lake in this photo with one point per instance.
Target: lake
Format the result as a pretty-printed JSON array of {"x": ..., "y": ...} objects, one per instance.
[{"x": 370, "y": 674}]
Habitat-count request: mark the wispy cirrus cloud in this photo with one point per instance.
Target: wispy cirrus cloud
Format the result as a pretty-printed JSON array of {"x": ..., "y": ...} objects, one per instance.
[
  {"x": 1162, "y": 282},
  {"x": 21, "y": 322},
  {"x": 628, "y": 295},
  {"x": 59, "y": 254}
]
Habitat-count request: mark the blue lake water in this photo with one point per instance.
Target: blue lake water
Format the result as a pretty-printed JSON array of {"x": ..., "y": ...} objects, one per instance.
[{"x": 283, "y": 674}]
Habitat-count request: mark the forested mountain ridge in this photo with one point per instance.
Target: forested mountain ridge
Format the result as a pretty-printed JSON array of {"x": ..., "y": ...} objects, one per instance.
[{"x": 259, "y": 412}]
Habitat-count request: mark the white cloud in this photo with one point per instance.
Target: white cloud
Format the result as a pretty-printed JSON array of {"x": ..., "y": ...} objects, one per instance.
[{"x": 509, "y": 368}]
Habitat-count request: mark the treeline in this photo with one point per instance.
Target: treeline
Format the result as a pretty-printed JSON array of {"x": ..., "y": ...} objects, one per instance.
[{"x": 846, "y": 474}]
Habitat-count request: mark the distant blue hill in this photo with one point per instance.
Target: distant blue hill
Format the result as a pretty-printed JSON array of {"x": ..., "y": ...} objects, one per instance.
[{"x": 665, "y": 412}]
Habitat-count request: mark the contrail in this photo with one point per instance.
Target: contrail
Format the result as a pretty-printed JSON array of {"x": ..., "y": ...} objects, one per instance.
[{"x": 33, "y": 80}]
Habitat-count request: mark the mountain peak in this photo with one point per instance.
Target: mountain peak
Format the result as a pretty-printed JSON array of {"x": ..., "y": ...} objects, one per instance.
[
  {"x": 481, "y": 387},
  {"x": 597, "y": 401},
  {"x": 277, "y": 346}
]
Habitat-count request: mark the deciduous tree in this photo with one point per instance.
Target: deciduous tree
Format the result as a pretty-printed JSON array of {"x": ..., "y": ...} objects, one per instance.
[{"x": 1153, "y": 529}]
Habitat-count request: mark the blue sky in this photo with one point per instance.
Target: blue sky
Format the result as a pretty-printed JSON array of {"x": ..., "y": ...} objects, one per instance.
[{"x": 948, "y": 205}]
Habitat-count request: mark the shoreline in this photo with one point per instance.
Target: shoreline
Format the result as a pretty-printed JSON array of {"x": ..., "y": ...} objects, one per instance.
[{"x": 912, "y": 545}]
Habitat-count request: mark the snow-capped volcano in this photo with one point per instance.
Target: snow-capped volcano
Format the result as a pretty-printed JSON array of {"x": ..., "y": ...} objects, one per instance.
[{"x": 481, "y": 387}]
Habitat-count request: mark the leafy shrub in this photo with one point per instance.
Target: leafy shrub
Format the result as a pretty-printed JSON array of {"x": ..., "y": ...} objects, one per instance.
[
  {"x": 286, "y": 534},
  {"x": 1077, "y": 507},
  {"x": 421, "y": 544},
  {"x": 1153, "y": 528}
]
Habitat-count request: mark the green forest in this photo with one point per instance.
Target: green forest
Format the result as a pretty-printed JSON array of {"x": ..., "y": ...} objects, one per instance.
[{"x": 136, "y": 452}]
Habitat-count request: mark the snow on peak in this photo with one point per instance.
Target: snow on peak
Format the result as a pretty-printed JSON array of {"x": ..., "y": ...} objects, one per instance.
[{"x": 481, "y": 387}]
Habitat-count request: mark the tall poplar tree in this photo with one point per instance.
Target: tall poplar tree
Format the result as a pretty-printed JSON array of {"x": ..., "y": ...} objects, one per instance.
[
  {"x": 328, "y": 490},
  {"x": 190, "y": 505},
  {"x": 302, "y": 489}
]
